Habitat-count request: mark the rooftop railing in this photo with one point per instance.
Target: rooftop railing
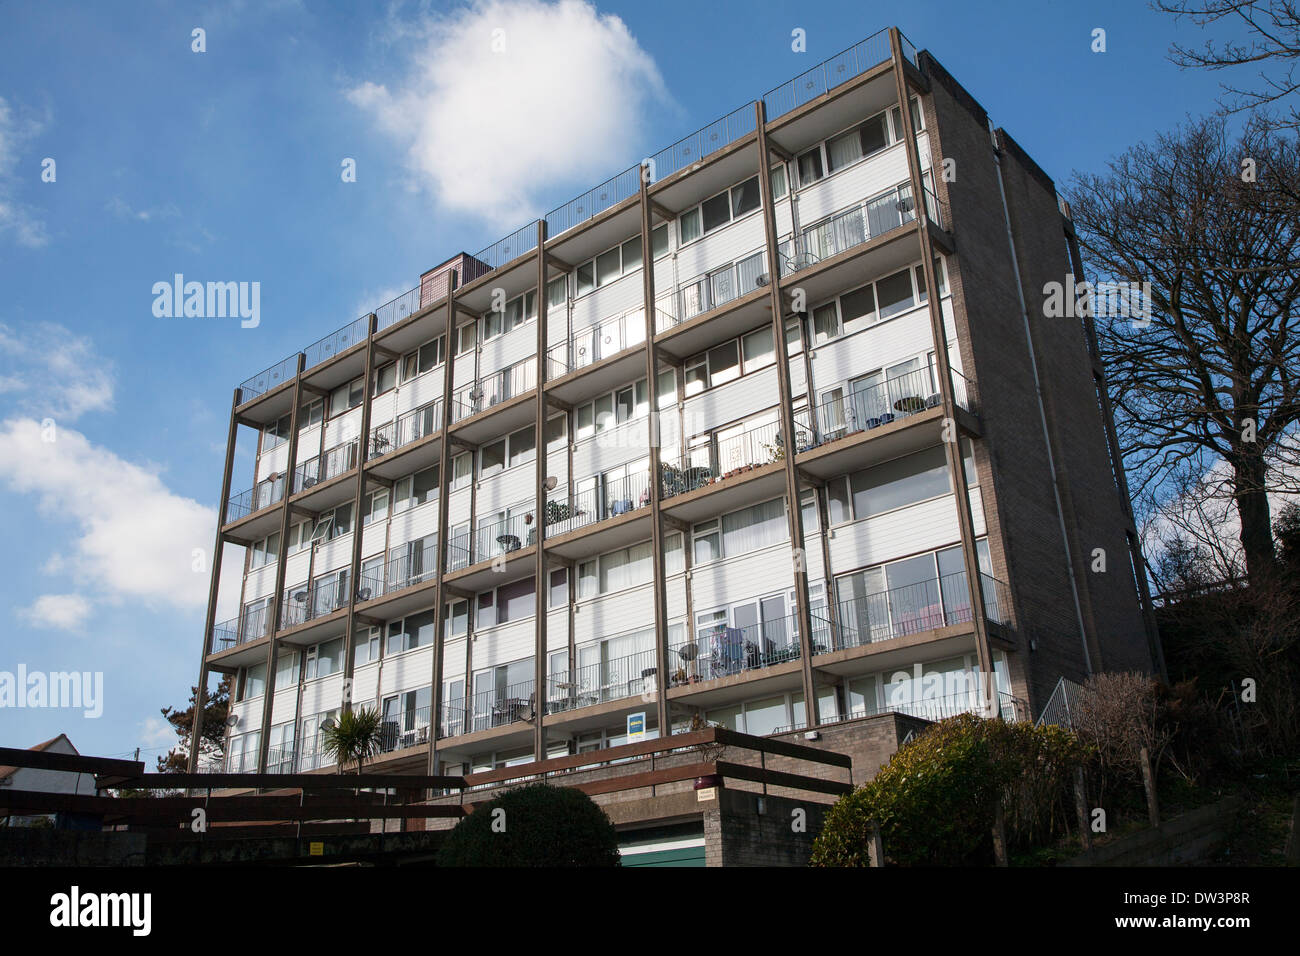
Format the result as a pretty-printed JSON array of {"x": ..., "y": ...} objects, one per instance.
[
  {"x": 705, "y": 141},
  {"x": 393, "y": 311},
  {"x": 829, "y": 74}
]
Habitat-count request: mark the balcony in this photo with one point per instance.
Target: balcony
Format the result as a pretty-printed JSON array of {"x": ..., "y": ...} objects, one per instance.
[
  {"x": 915, "y": 609},
  {"x": 850, "y": 227},
  {"x": 597, "y": 343},
  {"x": 497, "y": 390},
  {"x": 406, "y": 428},
  {"x": 601, "y": 683},
  {"x": 732, "y": 294},
  {"x": 734, "y": 467},
  {"x": 308, "y": 602},
  {"x": 410, "y": 728},
  {"x": 718, "y": 652},
  {"x": 326, "y": 466},
  {"x": 598, "y": 501},
  {"x": 265, "y": 493},
  {"x": 407, "y": 566},
  {"x": 252, "y": 624},
  {"x": 501, "y": 706}
]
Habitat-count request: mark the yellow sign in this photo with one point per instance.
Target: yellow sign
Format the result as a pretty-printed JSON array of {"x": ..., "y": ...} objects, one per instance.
[{"x": 317, "y": 849}]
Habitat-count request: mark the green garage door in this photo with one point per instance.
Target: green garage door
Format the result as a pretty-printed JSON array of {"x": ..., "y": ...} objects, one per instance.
[{"x": 663, "y": 846}]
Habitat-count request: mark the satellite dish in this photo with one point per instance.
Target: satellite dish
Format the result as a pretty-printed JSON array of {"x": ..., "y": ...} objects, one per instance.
[{"x": 551, "y": 482}]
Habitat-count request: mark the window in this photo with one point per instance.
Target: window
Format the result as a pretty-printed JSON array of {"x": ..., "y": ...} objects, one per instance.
[
  {"x": 254, "y": 682},
  {"x": 708, "y": 542},
  {"x": 522, "y": 447},
  {"x": 324, "y": 659},
  {"x": 300, "y": 536},
  {"x": 778, "y": 181},
  {"x": 557, "y": 291},
  {"x": 375, "y": 507},
  {"x": 311, "y": 414},
  {"x": 716, "y": 212},
  {"x": 466, "y": 338},
  {"x": 826, "y": 323},
  {"x": 415, "y": 630},
  {"x": 857, "y": 308},
  {"x": 265, "y": 552},
  {"x": 333, "y": 524},
  {"x": 347, "y": 396},
  {"x": 810, "y": 166},
  {"x": 415, "y": 490},
  {"x": 609, "y": 411},
  {"x": 492, "y": 458},
  {"x": 510, "y": 602},
  {"x": 895, "y": 294},
  {"x": 517, "y": 311},
  {"x": 286, "y": 668},
  {"x": 559, "y": 596},
  {"x": 557, "y": 430},
  {"x": 688, "y": 226},
  {"x": 428, "y": 356},
  {"x": 659, "y": 241},
  {"x": 456, "y": 623},
  {"x": 462, "y": 470},
  {"x": 894, "y": 484},
  {"x": 367, "y": 647},
  {"x": 385, "y": 379},
  {"x": 756, "y": 349},
  {"x": 275, "y": 434}
]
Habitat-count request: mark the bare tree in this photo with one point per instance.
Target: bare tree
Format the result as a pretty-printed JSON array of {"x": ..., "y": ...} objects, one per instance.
[
  {"x": 1211, "y": 379},
  {"x": 1272, "y": 47}
]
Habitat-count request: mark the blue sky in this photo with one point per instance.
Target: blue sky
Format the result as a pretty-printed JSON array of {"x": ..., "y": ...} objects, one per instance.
[{"x": 225, "y": 166}]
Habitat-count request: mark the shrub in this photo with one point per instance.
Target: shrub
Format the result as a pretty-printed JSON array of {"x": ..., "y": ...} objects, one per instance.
[
  {"x": 937, "y": 798},
  {"x": 541, "y": 826}
]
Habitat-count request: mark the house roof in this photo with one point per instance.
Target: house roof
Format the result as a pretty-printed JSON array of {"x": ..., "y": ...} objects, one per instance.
[{"x": 7, "y": 772}]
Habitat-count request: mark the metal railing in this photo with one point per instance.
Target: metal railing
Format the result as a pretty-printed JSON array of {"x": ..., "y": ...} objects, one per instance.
[
  {"x": 847, "y": 228},
  {"x": 406, "y": 428},
  {"x": 597, "y": 342},
  {"x": 263, "y": 382},
  {"x": 280, "y": 759},
  {"x": 601, "y": 682},
  {"x": 338, "y": 342},
  {"x": 407, "y": 566},
  {"x": 394, "y": 310},
  {"x": 329, "y": 464},
  {"x": 496, "y": 388},
  {"x": 607, "y": 499},
  {"x": 250, "y": 625},
  {"x": 914, "y": 609},
  {"x": 486, "y": 709},
  {"x": 503, "y": 535},
  {"x": 506, "y": 250},
  {"x": 265, "y": 493},
  {"x": 409, "y": 728},
  {"x": 859, "y": 408},
  {"x": 703, "y": 142},
  {"x": 723, "y": 651},
  {"x": 306, "y": 602},
  {"x": 714, "y": 288},
  {"x": 829, "y": 74},
  {"x": 593, "y": 202},
  {"x": 719, "y": 460}
]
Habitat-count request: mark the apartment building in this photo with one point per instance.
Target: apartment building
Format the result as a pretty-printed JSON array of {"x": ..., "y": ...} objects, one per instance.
[{"x": 768, "y": 431}]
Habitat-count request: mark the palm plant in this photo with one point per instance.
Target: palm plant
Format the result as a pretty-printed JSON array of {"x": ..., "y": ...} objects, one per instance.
[{"x": 355, "y": 736}]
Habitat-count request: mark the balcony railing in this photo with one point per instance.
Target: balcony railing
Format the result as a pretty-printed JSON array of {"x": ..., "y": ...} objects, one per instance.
[
  {"x": 724, "y": 458},
  {"x": 251, "y": 625},
  {"x": 858, "y": 408},
  {"x": 714, "y": 288},
  {"x": 502, "y": 536},
  {"x": 280, "y": 759},
  {"x": 593, "y": 202},
  {"x": 407, "y": 567},
  {"x": 602, "y": 682},
  {"x": 406, "y": 428},
  {"x": 304, "y": 602},
  {"x": 337, "y": 461},
  {"x": 336, "y": 343},
  {"x": 262, "y": 495},
  {"x": 914, "y": 609},
  {"x": 848, "y": 228},
  {"x": 607, "y": 499},
  {"x": 409, "y": 728},
  {"x": 506, "y": 250},
  {"x": 825, "y": 76},
  {"x": 498, "y": 707},
  {"x": 722, "y": 651},
  {"x": 496, "y": 388},
  {"x": 597, "y": 342},
  {"x": 263, "y": 382}
]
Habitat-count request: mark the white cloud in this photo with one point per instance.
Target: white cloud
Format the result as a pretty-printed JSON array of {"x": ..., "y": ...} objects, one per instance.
[
  {"x": 52, "y": 371},
  {"x": 16, "y": 217},
  {"x": 63, "y": 612},
  {"x": 123, "y": 210},
  {"x": 135, "y": 538},
  {"x": 509, "y": 97},
  {"x": 157, "y": 733}
]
